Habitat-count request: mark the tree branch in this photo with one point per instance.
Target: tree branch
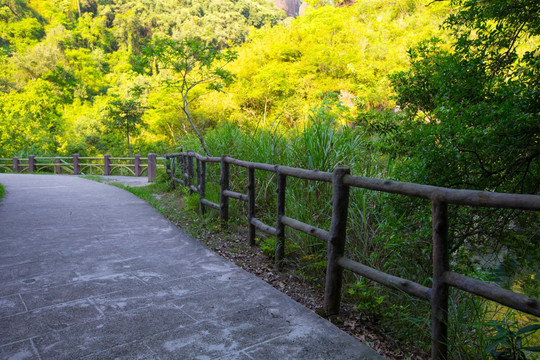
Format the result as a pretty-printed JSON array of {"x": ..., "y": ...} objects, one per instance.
[
  {"x": 488, "y": 172},
  {"x": 11, "y": 9},
  {"x": 185, "y": 108}
]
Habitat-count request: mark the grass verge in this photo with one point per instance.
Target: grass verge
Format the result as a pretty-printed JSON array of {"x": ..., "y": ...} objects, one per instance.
[{"x": 1, "y": 191}]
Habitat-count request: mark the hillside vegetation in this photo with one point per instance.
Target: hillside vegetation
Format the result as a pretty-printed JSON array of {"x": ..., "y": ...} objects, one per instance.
[
  {"x": 62, "y": 65},
  {"x": 445, "y": 93}
]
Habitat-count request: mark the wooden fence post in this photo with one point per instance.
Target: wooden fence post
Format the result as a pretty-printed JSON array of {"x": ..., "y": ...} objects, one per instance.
[
  {"x": 190, "y": 170},
  {"x": 151, "y": 167},
  {"x": 202, "y": 184},
  {"x": 198, "y": 173},
  {"x": 198, "y": 176},
  {"x": 439, "y": 291},
  {"x": 31, "y": 164},
  {"x": 280, "y": 227},
  {"x": 137, "y": 165},
  {"x": 173, "y": 171},
  {"x": 336, "y": 241},
  {"x": 224, "y": 184},
  {"x": 15, "y": 164},
  {"x": 57, "y": 167},
  {"x": 182, "y": 164},
  {"x": 251, "y": 205},
  {"x": 185, "y": 170},
  {"x": 76, "y": 164},
  {"x": 107, "y": 165}
]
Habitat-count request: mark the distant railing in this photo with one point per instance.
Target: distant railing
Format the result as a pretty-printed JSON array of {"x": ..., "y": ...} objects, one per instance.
[
  {"x": 443, "y": 278},
  {"x": 77, "y": 165}
]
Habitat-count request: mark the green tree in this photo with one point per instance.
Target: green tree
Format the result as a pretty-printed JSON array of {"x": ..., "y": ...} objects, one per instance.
[
  {"x": 30, "y": 119},
  {"x": 193, "y": 64},
  {"x": 473, "y": 121},
  {"x": 129, "y": 31},
  {"x": 477, "y": 105},
  {"x": 125, "y": 116},
  {"x": 282, "y": 70}
]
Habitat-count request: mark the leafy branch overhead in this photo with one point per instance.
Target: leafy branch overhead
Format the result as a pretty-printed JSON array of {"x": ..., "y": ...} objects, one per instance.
[
  {"x": 192, "y": 63},
  {"x": 479, "y": 102}
]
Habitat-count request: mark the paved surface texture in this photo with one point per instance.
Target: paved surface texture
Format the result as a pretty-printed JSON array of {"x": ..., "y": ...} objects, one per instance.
[
  {"x": 90, "y": 271},
  {"x": 123, "y": 180}
]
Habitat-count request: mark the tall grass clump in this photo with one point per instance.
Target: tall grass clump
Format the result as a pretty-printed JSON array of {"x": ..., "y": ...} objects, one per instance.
[{"x": 324, "y": 142}]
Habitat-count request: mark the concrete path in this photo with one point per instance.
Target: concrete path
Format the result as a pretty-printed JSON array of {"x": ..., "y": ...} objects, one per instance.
[
  {"x": 123, "y": 180},
  {"x": 90, "y": 271}
]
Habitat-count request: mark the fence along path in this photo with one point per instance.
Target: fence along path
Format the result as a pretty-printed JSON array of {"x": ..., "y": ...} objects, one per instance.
[
  {"x": 342, "y": 180},
  {"x": 78, "y": 165}
]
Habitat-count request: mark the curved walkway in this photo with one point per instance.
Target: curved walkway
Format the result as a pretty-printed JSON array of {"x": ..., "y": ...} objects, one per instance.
[{"x": 90, "y": 271}]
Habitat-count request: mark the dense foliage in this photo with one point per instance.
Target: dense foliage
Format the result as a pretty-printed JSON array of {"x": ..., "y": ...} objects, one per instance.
[
  {"x": 480, "y": 100},
  {"x": 63, "y": 62},
  {"x": 377, "y": 86},
  {"x": 473, "y": 121},
  {"x": 282, "y": 71}
]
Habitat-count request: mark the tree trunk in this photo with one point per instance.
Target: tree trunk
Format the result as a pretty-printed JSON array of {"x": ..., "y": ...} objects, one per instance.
[
  {"x": 185, "y": 108},
  {"x": 129, "y": 142}
]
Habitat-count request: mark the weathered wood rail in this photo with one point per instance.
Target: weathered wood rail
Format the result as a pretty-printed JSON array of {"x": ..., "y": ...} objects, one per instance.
[
  {"x": 77, "y": 165},
  {"x": 443, "y": 278}
]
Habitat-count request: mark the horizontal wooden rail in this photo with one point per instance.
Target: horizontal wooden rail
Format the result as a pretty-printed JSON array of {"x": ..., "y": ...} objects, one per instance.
[
  {"x": 407, "y": 286},
  {"x": 195, "y": 155},
  {"x": 254, "y": 165},
  {"x": 263, "y": 227},
  {"x": 306, "y": 174},
  {"x": 438, "y": 295},
  {"x": 178, "y": 180},
  {"x": 306, "y": 228},
  {"x": 54, "y": 157},
  {"x": 47, "y": 164},
  {"x": 451, "y": 196},
  {"x": 493, "y": 292},
  {"x": 210, "y": 204},
  {"x": 236, "y": 195}
]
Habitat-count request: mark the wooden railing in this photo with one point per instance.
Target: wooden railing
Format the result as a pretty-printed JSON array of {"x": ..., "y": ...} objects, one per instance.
[
  {"x": 76, "y": 165},
  {"x": 443, "y": 278}
]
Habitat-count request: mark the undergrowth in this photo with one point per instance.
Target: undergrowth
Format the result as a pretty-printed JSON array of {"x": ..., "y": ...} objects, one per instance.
[{"x": 380, "y": 232}]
